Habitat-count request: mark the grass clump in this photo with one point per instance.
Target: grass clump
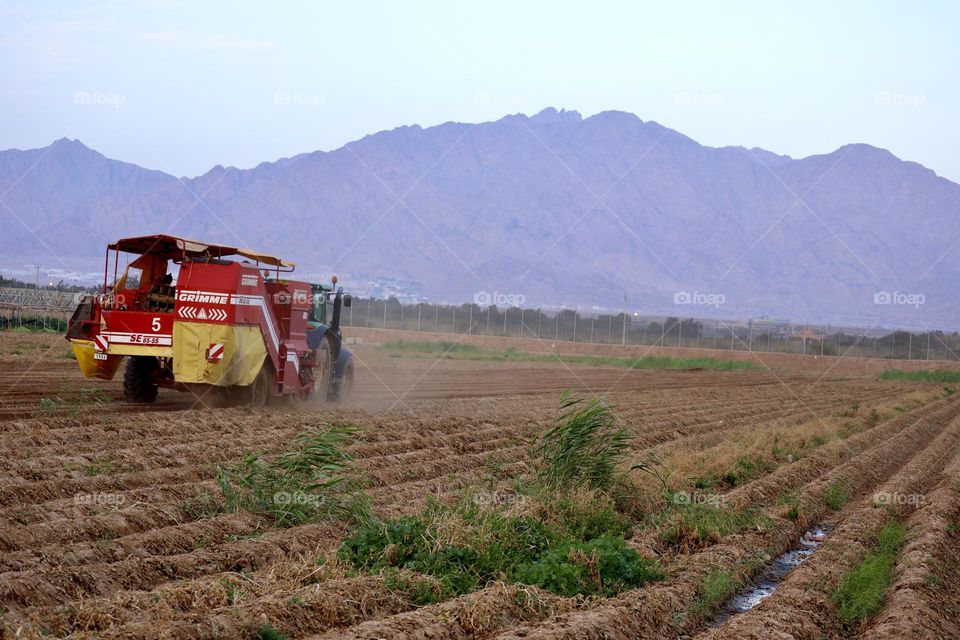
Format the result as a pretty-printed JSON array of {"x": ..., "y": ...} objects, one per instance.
[
  {"x": 836, "y": 495},
  {"x": 873, "y": 418},
  {"x": 72, "y": 403},
  {"x": 791, "y": 500},
  {"x": 311, "y": 481},
  {"x": 859, "y": 595},
  {"x": 583, "y": 448},
  {"x": 693, "y": 526},
  {"x": 99, "y": 466},
  {"x": 267, "y": 632},
  {"x": 921, "y": 375},
  {"x": 422, "y": 590},
  {"x": 747, "y": 468},
  {"x": 718, "y": 586}
]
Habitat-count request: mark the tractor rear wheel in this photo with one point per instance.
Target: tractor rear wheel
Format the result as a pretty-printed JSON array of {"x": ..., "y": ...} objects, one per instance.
[
  {"x": 139, "y": 379},
  {"x": 342, "y": 387}
]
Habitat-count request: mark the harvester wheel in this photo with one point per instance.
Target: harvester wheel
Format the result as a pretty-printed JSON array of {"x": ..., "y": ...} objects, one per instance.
[
  {"x": 322, "y": 371},
  {"x": 139, "y": 381},
  {"x": 342, "y": 387},
  {"x": 259, "y": 389}
]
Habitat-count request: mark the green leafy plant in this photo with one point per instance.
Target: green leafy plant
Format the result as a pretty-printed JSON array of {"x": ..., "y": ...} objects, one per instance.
[
  {"x": 602, "y": 566},
  {"x": 562, "y": 544}
]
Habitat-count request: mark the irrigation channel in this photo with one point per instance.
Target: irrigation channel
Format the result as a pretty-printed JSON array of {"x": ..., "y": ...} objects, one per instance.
[{"x": 771, "y": 578}]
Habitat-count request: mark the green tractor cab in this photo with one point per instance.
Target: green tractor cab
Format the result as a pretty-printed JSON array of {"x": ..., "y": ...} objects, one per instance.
[{"x": 334, "y": 360}]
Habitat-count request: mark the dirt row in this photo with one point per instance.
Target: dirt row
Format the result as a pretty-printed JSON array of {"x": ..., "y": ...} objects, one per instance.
[
  {"x": 801, "y": 606},
  {"x": 42, "y": 372},
  {"x": 123, "y": 567},
  {"x": 652, "y": 612},
  {"x": 924, "y": 598},
  {"x": 469, "y": 616},
  {"x": 157, "y": 556}
]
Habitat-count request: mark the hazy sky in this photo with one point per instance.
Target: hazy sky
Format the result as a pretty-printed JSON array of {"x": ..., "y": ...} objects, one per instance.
[{"x": 185, "y": 86}]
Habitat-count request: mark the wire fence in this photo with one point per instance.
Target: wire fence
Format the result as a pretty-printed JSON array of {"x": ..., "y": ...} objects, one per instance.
[
  {"x": 49, "y": 310},
  {"x": 636, "y": 329},
  {"x": 16, "y": 319}
]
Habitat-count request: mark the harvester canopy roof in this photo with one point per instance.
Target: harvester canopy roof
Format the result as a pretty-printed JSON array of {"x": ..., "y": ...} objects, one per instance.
[{"x": 173, "y": 247}]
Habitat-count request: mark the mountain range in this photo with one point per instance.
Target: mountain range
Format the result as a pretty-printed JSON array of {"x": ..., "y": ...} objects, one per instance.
[{"x": 550, "y": 209}]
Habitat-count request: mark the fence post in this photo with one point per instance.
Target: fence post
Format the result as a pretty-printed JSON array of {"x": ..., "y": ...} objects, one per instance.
[
  {"x": 575, "y": 314},
  {"x": 470, "y": 322},
  {"x": 419, "y": 309},
  {"x": 910, "y": 348},
  {"x": 384, "y": 314}
]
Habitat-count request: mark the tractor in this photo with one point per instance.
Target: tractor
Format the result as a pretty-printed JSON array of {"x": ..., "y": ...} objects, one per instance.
[{"x": 221, "y": 322}]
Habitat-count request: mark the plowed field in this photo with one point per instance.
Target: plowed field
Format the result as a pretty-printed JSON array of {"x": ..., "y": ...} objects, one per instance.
[{"x": 111, "y": 523}]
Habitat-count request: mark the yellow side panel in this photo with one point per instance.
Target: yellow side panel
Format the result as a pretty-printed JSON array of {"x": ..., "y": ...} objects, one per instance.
[
  {"x": 243, "y": 353},
  {"x": 140, "y": 350},
  {"x": 90, "y": 367}
]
